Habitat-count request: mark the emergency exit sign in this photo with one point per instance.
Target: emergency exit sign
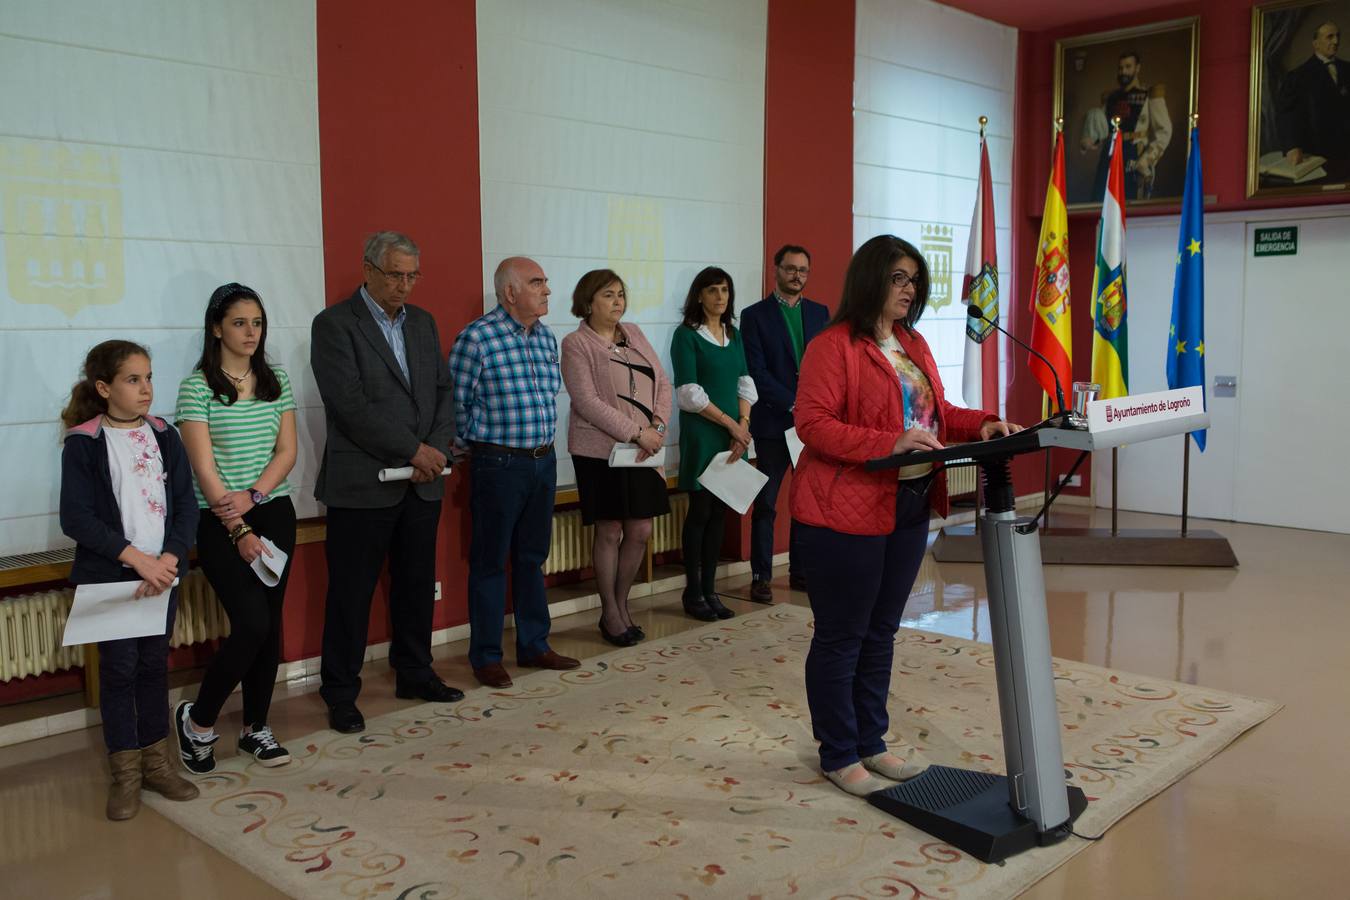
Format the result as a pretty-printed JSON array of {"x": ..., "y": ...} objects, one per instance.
[{"x": 1276, "y": 241}]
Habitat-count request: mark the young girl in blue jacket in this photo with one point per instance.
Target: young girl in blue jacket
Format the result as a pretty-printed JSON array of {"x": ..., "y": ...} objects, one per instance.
[{"x": 126, "y": 500}]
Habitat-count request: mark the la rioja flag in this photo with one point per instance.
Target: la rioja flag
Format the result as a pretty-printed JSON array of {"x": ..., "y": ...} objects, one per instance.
[{"x": 979, "y": 377}]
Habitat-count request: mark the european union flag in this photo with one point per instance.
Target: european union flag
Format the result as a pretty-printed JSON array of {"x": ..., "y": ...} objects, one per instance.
[{"x": 1186, "y": 340}]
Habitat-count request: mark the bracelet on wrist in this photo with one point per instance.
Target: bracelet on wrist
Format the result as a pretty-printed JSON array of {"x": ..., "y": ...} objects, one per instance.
[{"x": 239, "y": 531}]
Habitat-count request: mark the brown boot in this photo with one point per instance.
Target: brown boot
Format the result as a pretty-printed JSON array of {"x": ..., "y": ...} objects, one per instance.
[
  {"x": 124, "y": 794},
  {"x": 159, "y": 775}
]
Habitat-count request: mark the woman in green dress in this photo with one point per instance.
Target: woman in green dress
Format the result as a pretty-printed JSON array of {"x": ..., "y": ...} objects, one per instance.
[{"x": 714, "y": 392}]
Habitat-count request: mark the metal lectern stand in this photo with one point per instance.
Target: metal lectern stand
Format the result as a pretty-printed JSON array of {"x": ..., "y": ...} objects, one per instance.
[{"x": 992, "y": 817}]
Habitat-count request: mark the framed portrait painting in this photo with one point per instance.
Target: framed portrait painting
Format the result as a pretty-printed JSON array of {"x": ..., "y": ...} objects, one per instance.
[
  {"x": 1145, "y": 76},
  {"x": 1298, "y": 139}
]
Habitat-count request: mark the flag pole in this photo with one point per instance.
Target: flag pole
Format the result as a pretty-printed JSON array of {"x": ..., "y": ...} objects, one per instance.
[
  {"x": 1115, "y": 451},
  {"x": 979, "y": 485},
  {"x": 1186, "y": 438}
]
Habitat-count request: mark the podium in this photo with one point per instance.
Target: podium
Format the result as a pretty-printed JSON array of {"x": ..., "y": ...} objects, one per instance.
[{"x": 989, "y": 816}]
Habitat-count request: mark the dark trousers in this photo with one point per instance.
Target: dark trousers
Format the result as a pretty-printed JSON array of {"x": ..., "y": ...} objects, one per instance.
[
  {"x": 511, "y": 507},
  {"x": 133, "y": 687},
  {"x": 858, "y": 585},
  {"x": 701, "y": 540},
  {"x": 249, "y": 656},
  {"x": 358, "y": 542},
  {"x": 774, "y": 461}
]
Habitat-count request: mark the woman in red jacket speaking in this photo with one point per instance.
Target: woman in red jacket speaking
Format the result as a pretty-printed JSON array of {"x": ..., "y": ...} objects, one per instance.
[{"x": 868, "y": 388}]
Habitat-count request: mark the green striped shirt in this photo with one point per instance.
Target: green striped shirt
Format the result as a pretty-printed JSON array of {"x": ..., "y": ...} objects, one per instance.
[{"x": 243, "y": 434}]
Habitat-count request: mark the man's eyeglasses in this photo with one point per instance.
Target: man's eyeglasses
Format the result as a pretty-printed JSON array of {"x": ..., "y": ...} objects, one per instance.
[
  {"x": 903, "y": 279},
  {"x": 796, "y": 270},
  {"x": 408, "y": 278}
]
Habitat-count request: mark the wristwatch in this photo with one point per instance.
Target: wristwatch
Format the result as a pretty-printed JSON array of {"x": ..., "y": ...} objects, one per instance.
[
  {"x": 257, "y": 496},
  {"x": 660, "y": 428}
]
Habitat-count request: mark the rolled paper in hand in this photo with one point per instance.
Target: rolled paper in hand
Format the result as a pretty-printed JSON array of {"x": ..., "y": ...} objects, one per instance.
[{"x": 403, "y": 473}]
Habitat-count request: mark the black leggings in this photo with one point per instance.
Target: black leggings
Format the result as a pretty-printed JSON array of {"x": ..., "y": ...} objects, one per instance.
[
  {"x": 702, "y": 541},
  {"x": 249, "y": 656}
]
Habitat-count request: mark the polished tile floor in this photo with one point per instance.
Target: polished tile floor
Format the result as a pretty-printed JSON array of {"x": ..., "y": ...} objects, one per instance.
[{"x": 1268, "y": 817}]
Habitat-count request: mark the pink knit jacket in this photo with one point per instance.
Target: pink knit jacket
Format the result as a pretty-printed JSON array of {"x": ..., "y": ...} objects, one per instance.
[{"x": 597, "y": 422}]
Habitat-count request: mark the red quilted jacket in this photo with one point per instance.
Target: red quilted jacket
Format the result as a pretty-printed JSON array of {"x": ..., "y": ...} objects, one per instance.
[{"x": 849, "y": 410}]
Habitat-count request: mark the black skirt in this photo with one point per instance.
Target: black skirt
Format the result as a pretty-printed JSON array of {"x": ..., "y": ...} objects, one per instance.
[{"x": 627, "y": 493}]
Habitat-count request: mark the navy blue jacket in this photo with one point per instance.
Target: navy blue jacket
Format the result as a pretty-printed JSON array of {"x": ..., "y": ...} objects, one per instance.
[
  {"x": 772, "y": 362},
  {"x": 89, "y": 511}
]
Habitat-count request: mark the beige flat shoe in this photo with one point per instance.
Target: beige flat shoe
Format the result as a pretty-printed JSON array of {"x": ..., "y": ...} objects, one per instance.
[
  {"x": 884, "y": 765},
  {"x": 860, "y": 788}
]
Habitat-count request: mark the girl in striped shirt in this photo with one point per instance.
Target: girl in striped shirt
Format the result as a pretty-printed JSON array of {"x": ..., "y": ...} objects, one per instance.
[{"x": 237, "y": 417}]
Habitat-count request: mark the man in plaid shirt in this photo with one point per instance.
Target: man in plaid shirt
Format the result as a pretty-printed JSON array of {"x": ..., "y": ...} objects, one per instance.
[{"x": 506, "y": 377}]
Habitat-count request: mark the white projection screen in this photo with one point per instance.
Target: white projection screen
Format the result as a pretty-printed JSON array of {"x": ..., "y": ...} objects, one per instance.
[
  {"x": 916, "y": 149},
  {"x": 150, "y": 150},
  {"x": 627, "y": 136}
]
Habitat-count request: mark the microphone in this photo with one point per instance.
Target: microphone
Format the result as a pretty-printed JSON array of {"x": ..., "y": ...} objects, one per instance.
[{"x": 974, "y": 312}]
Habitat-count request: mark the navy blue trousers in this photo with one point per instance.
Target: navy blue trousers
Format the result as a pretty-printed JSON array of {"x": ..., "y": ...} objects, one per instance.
[
  {"x": 133, "y": 687},
  {"x": 858, "y": 586},
  {"x": 511, "y": 513},
  {"x": 774, "y": 460}
]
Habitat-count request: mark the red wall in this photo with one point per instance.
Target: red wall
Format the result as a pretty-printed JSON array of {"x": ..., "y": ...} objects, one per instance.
[
  {"x": 808, "y": 159},
  {"x": 1224, "y": 72},
  {"x": 398, "y": 131}
]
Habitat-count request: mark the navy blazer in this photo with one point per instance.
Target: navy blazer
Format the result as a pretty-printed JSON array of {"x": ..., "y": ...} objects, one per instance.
[{"x": 772, "y": 362}]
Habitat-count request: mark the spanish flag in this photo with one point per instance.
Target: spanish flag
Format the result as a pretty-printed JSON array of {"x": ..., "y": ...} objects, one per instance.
[
  {"x": 1050, "y": 332},
  {"x": 1110, "y": 356}
]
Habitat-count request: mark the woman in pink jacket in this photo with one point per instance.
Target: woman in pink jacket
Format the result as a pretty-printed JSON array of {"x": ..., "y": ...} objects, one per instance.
[
  {"x": 869, "y": 387},
  {"x": 619, "y": 395}
]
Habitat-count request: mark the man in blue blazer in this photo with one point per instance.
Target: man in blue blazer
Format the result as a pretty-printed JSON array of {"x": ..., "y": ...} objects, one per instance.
[{"x": 776, "y": 331}]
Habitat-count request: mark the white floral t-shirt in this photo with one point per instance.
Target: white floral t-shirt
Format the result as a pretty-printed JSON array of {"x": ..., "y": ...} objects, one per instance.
[{"x": 138, "y": 480}]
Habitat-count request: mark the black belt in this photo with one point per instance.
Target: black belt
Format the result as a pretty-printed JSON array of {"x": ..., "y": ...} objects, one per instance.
[{"x": 532, "y": 452}]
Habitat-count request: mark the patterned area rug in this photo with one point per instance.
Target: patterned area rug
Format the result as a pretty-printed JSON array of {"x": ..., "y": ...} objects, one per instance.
[{"x": 681, "y": 768}]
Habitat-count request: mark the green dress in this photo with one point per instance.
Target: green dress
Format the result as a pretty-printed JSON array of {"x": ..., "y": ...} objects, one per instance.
[{"x": 718, "y": 369}]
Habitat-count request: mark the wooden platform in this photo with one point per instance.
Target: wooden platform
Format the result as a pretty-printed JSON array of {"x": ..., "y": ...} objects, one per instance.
[{"x": 1098, "y": 547}]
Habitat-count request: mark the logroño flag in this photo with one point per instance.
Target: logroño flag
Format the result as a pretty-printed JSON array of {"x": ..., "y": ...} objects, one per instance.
[
  {"x": 1110, "y": 349},
  {"x": 1050, "y": 331},
  {"x": 979, "y": 376},
  {"x": 1186, "y": 338}
]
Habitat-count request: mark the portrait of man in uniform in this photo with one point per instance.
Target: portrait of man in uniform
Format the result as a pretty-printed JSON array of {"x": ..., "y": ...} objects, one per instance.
[
  {"x": 1142, "y": 81},
  {"x": 1300, "y": 116}
]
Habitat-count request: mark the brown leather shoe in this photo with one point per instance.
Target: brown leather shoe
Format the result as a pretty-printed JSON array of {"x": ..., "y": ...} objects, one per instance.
[
  {"x": 761, "y": 592},
  {"x": 549, "y": 660},
  {"x": 124, "y": 794},
  {"x": 493, "y": 675},
  {"x": 158, "y": 773}
]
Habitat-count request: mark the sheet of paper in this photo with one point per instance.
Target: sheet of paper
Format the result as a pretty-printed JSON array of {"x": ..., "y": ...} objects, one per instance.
[
  {"x": 624, "y": 456},
  {"x": 269, "y": 568},
  {"x": 403, "y": 473},
  {"x": 733, "y": 481},
  {"x": 795, "y": 445},
  {"x": 107, "y": 612}
]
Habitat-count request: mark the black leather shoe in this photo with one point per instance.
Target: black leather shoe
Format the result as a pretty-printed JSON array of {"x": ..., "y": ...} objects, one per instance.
[
  {"x": 697, "y": 608},
  {"x": 761, "y": 592},
  {"x": 636, "y": 632},
  {"x": 715, "y": 604},
  {"x": 433, "y": 690},
  {"x": 345, "y": 718},
  {"x": 622, "y": 639}
]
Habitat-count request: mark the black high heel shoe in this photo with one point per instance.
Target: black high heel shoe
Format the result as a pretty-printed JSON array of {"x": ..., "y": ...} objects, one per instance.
[
  {"x": 622, "y": 639},
  {"x": 636, "y": 633}
]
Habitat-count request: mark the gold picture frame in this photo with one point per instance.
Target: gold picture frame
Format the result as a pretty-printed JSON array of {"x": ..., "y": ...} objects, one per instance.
[
  {"x": 1298, "y": 117},
  {"x": 1162, "y": 62}
]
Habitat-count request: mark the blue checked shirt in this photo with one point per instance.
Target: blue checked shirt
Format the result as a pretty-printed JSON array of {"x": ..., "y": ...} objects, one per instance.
[
  {"x": 393, "y": 331},
  {"x": 506, "y": 382}
]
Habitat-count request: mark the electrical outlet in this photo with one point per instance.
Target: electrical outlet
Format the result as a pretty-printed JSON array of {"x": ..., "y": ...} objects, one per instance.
[
  {"x": 438, "y": 591},
  {"x": 1071, "y": 481}
]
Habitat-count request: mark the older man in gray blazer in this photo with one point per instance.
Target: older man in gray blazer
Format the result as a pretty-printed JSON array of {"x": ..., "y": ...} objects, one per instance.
[{"x": 386, "y": 396}]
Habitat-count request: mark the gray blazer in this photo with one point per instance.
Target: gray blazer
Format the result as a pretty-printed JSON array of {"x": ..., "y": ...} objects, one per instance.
[{"x": 375, "y": 418}]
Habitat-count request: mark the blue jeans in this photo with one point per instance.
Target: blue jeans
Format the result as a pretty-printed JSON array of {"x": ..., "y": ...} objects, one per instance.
[
  {"x": 774, "y": 461},
  {"x": 858, "y": 586},
  {"x": 511, "y": 510},
  {"x": 133, "y": 687}
]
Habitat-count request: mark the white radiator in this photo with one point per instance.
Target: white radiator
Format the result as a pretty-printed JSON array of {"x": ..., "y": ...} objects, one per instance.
[
  {"x": 961, "y": 480},
  {"x": 570, "y": 545},
  {"x": 31, "y": 626}
]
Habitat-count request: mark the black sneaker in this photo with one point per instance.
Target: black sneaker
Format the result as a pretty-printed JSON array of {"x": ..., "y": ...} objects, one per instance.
[
  {"x": 197, "y": 753},
  {"x": 264, "y": 747}
]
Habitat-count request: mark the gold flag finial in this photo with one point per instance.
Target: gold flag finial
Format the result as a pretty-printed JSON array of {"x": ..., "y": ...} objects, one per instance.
[
  {"x": 1195, "y": 119},
  {"x": 1115, "y": 123},
  {"x": 984, "y": 120}
]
